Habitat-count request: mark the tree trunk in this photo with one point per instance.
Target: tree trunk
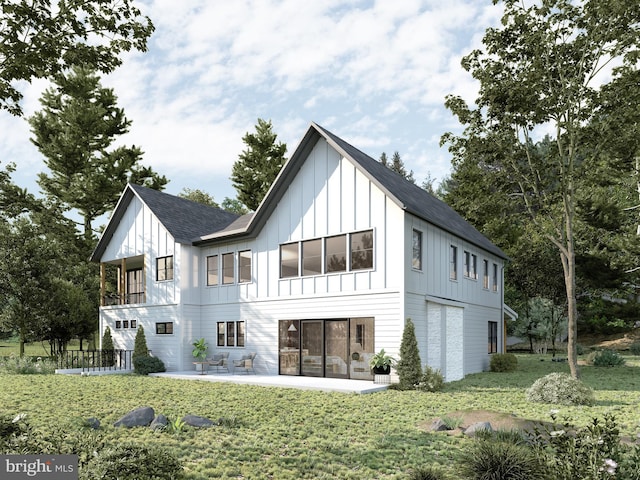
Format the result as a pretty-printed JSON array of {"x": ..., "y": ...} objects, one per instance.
[{"x": 569, "y": 267}]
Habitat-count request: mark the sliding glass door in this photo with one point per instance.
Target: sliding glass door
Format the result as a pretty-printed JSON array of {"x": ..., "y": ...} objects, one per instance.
[{"x": 312, "y": 337}]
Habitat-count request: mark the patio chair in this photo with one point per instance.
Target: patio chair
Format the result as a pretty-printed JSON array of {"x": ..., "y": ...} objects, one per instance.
[
  {"x": 245, "y": 362},
  {"x": 220, "y": 361}
]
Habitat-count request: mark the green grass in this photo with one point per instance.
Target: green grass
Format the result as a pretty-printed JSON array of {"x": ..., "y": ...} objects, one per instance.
[
  {"x": 295, "y": 434},
  {"x": 32, "y": 349}
]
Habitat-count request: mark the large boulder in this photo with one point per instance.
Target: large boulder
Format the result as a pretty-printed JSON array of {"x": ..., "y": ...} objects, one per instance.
[
  {"x": 140, "y": 417},
  {"x": 197, "y": 421}
]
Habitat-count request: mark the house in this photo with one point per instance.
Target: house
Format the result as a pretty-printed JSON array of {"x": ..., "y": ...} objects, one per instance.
[{"x": 340, "y": 252}]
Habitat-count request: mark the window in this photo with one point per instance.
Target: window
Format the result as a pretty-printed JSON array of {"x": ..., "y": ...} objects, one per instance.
[
  {"x": 416, "y": 259},
  {"x": 227, "y": 269},
  {"x": 164, "y": 268},
  {"x": 289, "y": 260},
  {"x": 164, "y": 328},
  {"x": 118, "y": 324},
  {"x": 135, "y": 286},
  {"x": 230, "y": 334},
  {"x": 470, "y": 265},
  {"x": 212, "y": 270},
  {"x": 221, "y": 334},
  {"x": 493, "y": 337},
  {"x": 312, "y": 257},
  {"x": 361, "y": 250},
  {"x": 125, "y": 324},
  {"x": 336, "y": 254},
  {"x": 453, "y": 262},
  {"x": 485, "y": 274},
  {"x": 244, "y": 266},
  {"x": 495, "y": 277},
  {"x": 133, "y": 324}
]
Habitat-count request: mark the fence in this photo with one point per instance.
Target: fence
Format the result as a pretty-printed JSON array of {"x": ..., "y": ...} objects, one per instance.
[{"x": 96, "y": 360}]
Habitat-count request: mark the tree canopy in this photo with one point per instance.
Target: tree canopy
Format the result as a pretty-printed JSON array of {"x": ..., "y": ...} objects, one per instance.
[{"x": 41, "y": 39}]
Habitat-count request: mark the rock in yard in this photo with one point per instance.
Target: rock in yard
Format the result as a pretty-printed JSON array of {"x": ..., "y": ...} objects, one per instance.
[
  {"x": 438, "y": 426},
  {"x": 472, "y": 429},
  {"x": 140, "y": 417},
  {"x": 197, "y": 421},
  {"x": 93, "y": 423},
  {"x": 159, "y": 422}
]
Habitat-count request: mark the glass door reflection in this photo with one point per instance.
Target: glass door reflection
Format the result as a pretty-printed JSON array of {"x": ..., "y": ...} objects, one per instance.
[
  {"x": 311, "y": 335},
  {"x": 336, "y": 348}
]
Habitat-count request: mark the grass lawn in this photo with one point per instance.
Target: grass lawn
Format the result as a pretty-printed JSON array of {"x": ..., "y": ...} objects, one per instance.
[{"x": 294, "y": 434}]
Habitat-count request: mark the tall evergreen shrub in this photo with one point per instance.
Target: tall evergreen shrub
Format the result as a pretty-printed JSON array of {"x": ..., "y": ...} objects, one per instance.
[
  {"x": 107, "y": 348},
  {"x": 409, "y": 366},
  {"x": 140, "y": 346}
]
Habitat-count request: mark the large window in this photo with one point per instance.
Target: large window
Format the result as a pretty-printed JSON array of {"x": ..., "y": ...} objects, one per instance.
[
  {"x": 212, "y": 270},
  {"x": 493, "y": 337},
  {"x": 164, "y": 328},
  {"x": 453, "y": 262},
  {"x": 361, "y": 250},
  {"x": 228, "y": 269},
  {"x": 470, "y": 265},
  {"x": 135, "y": 286},
  {"x": 164, "y": 268},
  {"x": 244, "y": 266},
  {"x": 230, "y": 334},
  {"x": 336, "y": 253},
  {"x": 416, "y": 258},
  {"x": 312, "y": 257},
  {"x": 289, "y": 260}
]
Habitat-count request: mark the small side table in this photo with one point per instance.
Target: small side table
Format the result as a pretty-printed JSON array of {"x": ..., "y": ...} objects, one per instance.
[{"x": 203, "y": 367}]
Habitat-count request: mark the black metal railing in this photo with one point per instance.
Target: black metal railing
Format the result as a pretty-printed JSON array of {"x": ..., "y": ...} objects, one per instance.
[
  {"x": 127, "y": 299},
  {"x": 96, "y": 360}
]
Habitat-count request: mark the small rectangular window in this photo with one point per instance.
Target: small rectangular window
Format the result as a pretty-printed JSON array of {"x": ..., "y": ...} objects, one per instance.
[
  {"x": 125, "y": 324},
  {"x": 289, "y": 260},
  {"x": 164, "y": 268},
  {"x": 240, "y": 334},
  {"x": 230, "y": 334},
  {"x": 221, "y": 336},
  {"x": 361, "y": 250},
  {"x": 118, "y": 324},
  {"x": 244, "y": 266},
  {"x": 453, "y": 262},
  {"x": 312, "y": 257},
  {"x": 416, "y": 258},
  {"x": 495, "y": 277},
  {"x": 335, "y": 251},
  {"x": 228, "y": 276},
  {"x": 485, "y": 274},
  {"x": 493, "y": 337},
  {"x": 474, "y": 267},
  {"x": 134, "y": 324},
  {"x": 212, "y": 270},
  {"x": 164, "y": 328}
]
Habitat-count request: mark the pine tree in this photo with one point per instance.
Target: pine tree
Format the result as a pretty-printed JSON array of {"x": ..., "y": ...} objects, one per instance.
[
  {"x": 140, "y": 346},
  {"x": 397, "y": 165},
  {"x": 258, "y": 166},
  {"x": 107, "y": 349},
  {"x": 409, "y": 367}
]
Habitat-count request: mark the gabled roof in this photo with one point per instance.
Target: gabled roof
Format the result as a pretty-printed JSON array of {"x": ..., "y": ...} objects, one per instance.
[
  {"x": 405, "y": 194},
  {"x": 183, "y": 219}
]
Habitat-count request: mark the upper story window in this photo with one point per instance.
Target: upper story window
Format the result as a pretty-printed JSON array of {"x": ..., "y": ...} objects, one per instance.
[
  {"x": 338, "y": 253},
  {"x": 164, "y": 268},
  {"x": 453, "y": 262},
  {"x": 493, "y": 337},
  {"x": 485, "y": 274},
  {"x": 244, "y": 266},
  {"x": 212, "y": 270},
  {"x": 416, "y": 257},
  {"x": 495, "y": 277},
  {"x": 470, "y": 265},
  {"x": 228, "y": 268},
  {"x": 134, "y": 286}
]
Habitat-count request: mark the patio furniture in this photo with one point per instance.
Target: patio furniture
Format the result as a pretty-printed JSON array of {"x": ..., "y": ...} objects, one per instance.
[
  {"x": 220, "y": 361},
  {"x": 245, "y": 362}
]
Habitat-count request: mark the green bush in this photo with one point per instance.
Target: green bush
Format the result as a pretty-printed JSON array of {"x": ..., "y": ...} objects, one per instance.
[
  {"x": 27, "y": 365},
  {"x": 605, "y": 358},
  {"x": 491, "y": 460},
  {"x": 140, "y": 348},
  {"x": 503, "y": 362},
  {"x": 560, "y": 388},
  {"x": 409, "y": 366},
  {"x": 431, "y": 381},
  {"x": 635, "y": 348},
  {"x": 133, "y": 461},
  {"x": 426, "y": 472},
  {"x": 146, "y": 365}
]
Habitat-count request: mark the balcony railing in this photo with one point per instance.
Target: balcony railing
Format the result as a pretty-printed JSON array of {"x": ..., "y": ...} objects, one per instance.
[
  {"x": 127, "y": 299},
  {"x": 96, "y": 360}
]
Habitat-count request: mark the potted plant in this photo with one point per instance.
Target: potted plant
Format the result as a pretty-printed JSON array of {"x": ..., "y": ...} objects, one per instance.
[
  {"x": 199, "y": 352},
  {"x": 381, "y": 363}
]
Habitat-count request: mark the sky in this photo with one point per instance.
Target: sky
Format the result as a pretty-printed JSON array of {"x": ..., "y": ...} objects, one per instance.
[{"x": 375, "y": 73}]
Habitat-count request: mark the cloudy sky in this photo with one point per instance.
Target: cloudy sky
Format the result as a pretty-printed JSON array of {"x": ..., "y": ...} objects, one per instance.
[{"x": 373, "y": 72}]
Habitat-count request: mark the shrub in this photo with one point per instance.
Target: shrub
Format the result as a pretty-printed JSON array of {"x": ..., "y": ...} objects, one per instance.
[
  {"x": 431, "y": 380},
  {"x": 409, "y": 366},
  {"x": 140, "y": 345},
  {"x": 107, "y": 349},
  {"x": 605, "y": 358},
  {"x": 426, "y": 472},
  {"x": 503, "y": 362},
  {"x": 133, "y": 461},
  {"x": 560, "y": 388},
  {"x": 635, "y": 348},
  {"x": 489, "y": 460},
  {"x": 580, "y": 349},
  {"x": 144, "y": 365},
  {"x": 27, "y": 365}
]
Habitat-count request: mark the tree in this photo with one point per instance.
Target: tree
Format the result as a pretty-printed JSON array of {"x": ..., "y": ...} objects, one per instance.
[
  {"x": 409, "y": 366},
  {"x": 140, "y": 348},
  {"x": 198, "y": 196},
  {"x": 74, "y": 131},
  {"x": 541, "y": 70},
  {"x": 258, "y": 165},
  {"x": 397, "y": 165},
  {"x": 40, "y": 39}
]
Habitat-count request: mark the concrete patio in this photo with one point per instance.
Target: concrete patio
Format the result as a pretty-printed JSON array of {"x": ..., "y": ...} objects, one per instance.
[{"x": 282, "y": 381}]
